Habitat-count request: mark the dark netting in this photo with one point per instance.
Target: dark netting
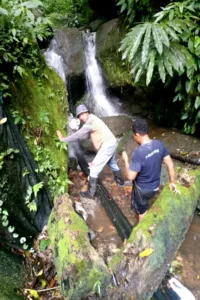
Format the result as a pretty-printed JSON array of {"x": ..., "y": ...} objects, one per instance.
[{"x": 14, "y": 184}]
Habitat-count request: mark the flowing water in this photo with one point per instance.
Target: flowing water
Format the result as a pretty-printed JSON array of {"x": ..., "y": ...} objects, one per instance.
[
  {"x": 98, "y": 101},
  {"x": 54, "y": 60}
]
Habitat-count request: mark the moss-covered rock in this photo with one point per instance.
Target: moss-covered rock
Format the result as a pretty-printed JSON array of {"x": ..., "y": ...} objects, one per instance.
[
  {"x": 40, "y": 102},
  {"x": 78, "y": 265},
  {"x": 163, "y": 230},
  {"x": 108, "y": 38}
]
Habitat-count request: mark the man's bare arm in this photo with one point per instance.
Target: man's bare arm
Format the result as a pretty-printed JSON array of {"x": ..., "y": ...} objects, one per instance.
[
  {"x": 170, "y": 166},
  {"x": 131, "y": 175}
]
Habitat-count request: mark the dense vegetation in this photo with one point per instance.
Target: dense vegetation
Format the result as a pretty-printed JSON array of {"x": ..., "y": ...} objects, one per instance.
[{"x": 167, "y": 46}]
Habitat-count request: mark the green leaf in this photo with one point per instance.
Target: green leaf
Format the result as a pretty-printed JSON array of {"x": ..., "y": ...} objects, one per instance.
[
  {"x": 168, "y": 66},
  {"x": 164, "y": 36},
  {"x": 18, "y": 12},
  {"x": 1, "y": 202},
  {"x": 171, "y": 32},
  {"x": 124, "y": 6},
  {"x": 196, "y": 41},
  {"x": 14, "y": 31},
  {"x": 139, "y": 30},
  {"x": 37, "y": 187},
  {"x": 44, "y": 244},
  {"x": 197, "y": 102},
  {"x": 146, "y": 43},
  {"x": 3, "y": 11},
  {"x": 161, "y": 70},
  {"x": 184, "y": 117},
  {"x": 32, "y": 4},
  {"x": 157, "y": 38},
  {"x": 150, "y": 67},
  {"x": 139, "y": 73},
  {"x": 34, "y": 294}
]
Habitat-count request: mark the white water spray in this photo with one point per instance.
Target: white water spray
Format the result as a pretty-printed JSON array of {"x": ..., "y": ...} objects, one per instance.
[
  {"x": 54, "y": 60},
  {"x": 97, "y": 100}
]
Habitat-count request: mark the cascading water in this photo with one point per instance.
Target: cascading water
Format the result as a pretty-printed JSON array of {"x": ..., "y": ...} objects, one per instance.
[
  {"x": 54, "y": 60},
  {"x": 97, "y": 100}
]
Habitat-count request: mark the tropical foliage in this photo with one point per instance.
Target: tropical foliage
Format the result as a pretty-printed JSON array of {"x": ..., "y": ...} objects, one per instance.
[
  {"x": 131, "y": 9},
  {"x": 167, "y": 47},
  {"x": 20, "y": 28},
  {"x": 70, "y": 13}
]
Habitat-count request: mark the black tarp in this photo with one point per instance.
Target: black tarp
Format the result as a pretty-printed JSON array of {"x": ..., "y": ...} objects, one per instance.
[{"x": 14, "y": 184}]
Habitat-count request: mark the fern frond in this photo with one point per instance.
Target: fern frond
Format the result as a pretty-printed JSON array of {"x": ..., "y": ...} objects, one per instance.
[
  {"x": 170, "y": 32},
  {"x": 150, "y": 67},
  {"x": 167, "y": 64},
  {"x": 139, "y": 73},
  {"x": 157, "y": 38},
  {"x": 136, "y": 63},
  {"x": 140, "y": 29},
  {"x": 163, "y": 35},
  {"x": 161, "y": 69},
  {"x": 146, "y": 43},
  {"x": 172, "y": 59},
  {"x": 176, "y": 25}
]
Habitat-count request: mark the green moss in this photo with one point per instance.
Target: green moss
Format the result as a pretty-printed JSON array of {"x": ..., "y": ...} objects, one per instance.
[
  {"x": 169, "y": 215},
  {"x": 42, "y": 103},
  {"x": 77, "y": 263},
  {"x": 116, "y": 71}
]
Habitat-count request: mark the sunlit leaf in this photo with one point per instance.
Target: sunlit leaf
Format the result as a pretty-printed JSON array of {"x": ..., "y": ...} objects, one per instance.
[
  {"x": 146, "y": 252},
  {"x": 150, "y": 67},
  {"x": 197, "y": 102}
]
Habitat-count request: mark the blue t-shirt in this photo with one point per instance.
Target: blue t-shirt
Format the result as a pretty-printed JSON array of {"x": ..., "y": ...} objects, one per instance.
[{"x": 147, "y": 161}]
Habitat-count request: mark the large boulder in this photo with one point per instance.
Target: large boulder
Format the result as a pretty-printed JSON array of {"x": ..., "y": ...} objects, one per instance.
[{"x": 70, "y": 46}]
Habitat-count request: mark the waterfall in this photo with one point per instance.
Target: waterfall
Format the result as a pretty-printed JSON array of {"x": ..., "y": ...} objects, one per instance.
[
  {"x": 54, "y": 60},
  {"x": 97, "y": 100}
]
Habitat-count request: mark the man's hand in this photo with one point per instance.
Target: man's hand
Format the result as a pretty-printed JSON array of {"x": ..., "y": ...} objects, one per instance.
[
  {"x": 173, "y": 188},
  {"x": 59, "y": 134}
]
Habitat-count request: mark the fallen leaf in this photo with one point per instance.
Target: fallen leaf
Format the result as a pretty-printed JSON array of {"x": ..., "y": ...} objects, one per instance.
[
  {"x": 34, "y": 294},
  {"x": 146, "y": 252},
  {"x": 51, "y": 284},
  {"x": 40, "y": 273},
  {"x": 100, "y": 229}
]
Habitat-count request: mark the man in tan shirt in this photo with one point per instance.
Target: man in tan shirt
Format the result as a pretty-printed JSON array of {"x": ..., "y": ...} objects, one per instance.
[{"x": 104, "y": 142}]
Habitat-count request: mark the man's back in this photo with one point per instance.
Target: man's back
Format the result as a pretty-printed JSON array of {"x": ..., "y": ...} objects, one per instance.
[
  {"x": 101, "y": 135},
  {"x": 147, "y": 161}
]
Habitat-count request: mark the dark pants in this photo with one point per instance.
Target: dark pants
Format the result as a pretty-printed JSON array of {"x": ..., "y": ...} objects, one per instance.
[{"x": 140, "y": 199}]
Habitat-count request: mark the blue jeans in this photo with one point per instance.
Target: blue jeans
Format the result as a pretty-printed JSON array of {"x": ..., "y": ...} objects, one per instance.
[{"x": 103, "y": 157}]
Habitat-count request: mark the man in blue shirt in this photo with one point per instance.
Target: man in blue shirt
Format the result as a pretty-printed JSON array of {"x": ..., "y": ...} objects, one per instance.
[{"x": 145, "y": 167}]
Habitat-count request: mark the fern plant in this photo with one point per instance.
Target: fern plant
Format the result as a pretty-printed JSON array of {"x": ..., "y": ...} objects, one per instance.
[
  {"x": 152, "y": 45},
  {"x": 170, "y": 47}
]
